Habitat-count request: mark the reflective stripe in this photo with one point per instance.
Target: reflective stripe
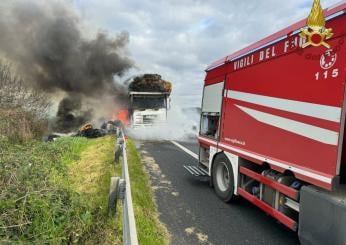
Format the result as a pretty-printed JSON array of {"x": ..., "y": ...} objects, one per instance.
[
  {"x": 208, "y": 140},
  {"x": 325, "y": 112},
  {"x": 312, "y": 132}
]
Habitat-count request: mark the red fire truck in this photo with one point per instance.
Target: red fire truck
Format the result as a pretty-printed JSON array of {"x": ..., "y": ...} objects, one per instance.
[{"x": 272, "y": 127}]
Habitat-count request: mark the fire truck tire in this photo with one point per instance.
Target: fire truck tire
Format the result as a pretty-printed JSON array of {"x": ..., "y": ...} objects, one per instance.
[{"x": 223, "y": 178}]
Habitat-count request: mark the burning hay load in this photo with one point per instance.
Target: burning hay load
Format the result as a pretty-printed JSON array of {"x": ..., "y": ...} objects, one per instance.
[{"x": 150, "y": 83}]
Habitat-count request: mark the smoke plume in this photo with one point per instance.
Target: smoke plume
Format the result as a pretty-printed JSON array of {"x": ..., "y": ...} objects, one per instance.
[
  {"x": 46, "y": 42},
  {"x": 181, "y": 124}
]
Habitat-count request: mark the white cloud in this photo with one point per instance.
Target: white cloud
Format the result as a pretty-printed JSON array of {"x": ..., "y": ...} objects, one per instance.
[{"x": 179, "y": 38}]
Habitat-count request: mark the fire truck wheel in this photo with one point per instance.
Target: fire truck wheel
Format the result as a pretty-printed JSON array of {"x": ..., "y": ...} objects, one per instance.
[{"x": 223, "y": 179}]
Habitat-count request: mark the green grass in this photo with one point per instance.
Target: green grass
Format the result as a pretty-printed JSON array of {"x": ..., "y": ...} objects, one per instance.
[
  {"x": 33, "y": 207},
  {"x": 41, "y": 201},
  {"x": 56, "y": 193},
  {"x": 90, "y": 176},
  {"x": 149, "y": 229}
]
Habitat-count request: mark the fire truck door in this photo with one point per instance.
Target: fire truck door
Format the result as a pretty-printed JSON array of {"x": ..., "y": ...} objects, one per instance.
[{"x": 211, "y": 108}]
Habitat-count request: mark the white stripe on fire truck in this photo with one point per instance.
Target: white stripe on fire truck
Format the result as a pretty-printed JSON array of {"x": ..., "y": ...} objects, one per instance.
[
  {"x": 207, "y": 140},
  {"x": 325, "y": 112},
  {"x": 279, "y": 164},
  {"x": 316, "y": 133},
  {"x": 276, "y": 163}
]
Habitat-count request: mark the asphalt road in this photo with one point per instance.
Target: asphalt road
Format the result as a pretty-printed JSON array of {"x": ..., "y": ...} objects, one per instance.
[{"x": 192, "y": 212}]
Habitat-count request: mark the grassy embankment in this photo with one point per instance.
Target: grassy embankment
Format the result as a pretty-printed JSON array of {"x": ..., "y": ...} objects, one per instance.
[{"x": 57, "y": 193}]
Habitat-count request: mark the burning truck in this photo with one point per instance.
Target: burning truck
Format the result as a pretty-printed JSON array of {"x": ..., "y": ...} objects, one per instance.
[{"x": 149, "y": 101}]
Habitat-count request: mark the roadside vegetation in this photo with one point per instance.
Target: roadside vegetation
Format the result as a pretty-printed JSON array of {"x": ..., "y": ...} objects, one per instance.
[
  {"x": 23, "y": 110},
  {"x": 56, "y": 192}
]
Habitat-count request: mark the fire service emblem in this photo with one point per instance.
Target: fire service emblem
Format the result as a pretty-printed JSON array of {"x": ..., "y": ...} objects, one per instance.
[
  {"x": 328, "y": 59},
  {"x": 316, "y": 32}
]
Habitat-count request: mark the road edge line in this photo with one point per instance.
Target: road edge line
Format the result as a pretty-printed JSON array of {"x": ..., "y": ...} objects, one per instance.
[{"x": 194, "y": 155}]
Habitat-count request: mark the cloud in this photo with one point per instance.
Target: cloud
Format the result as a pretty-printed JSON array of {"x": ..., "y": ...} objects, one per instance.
[{"x": 179, "y": 38}]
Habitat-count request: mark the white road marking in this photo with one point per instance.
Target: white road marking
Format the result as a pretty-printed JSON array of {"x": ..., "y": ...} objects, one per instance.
[{"x": 194, "y": 155}]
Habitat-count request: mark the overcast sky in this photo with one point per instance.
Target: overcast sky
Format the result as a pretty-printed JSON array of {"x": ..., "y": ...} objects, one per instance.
[{"x": 179, "y": 38}]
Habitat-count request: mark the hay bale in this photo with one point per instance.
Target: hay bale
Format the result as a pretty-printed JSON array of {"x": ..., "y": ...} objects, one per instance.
[{"x": 150, "y": 83}]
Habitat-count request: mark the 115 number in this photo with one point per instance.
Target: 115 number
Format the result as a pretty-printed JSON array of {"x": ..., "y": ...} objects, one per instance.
[{"x": 327, "y": 74}]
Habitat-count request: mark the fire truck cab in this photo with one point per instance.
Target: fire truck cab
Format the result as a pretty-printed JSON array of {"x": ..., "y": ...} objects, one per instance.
[{"x": 272, "y": 129}]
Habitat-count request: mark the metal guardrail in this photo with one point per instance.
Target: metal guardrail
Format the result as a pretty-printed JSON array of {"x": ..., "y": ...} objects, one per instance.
[{"x": 120, "y": 188}]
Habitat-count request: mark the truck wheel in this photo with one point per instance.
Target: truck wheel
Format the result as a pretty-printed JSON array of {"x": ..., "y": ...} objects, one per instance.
[{"x": 223, "y": 178}]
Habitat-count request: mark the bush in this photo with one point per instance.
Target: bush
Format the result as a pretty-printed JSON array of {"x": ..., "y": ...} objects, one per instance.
[
  {"x": 19, "y": 126},
  {"x": 23, "y": 110}
]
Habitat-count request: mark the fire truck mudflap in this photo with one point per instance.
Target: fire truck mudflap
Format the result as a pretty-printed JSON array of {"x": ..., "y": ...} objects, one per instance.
[{"x": 322, "y": 217}]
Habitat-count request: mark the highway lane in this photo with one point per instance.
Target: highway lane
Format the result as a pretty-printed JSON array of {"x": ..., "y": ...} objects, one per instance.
[{"x": 192, "y": 212}]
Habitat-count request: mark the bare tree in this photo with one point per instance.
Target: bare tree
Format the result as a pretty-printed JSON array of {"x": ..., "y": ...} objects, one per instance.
[
  {"x": 15, "y": 95},
  {"x": 21, "y": 102}
]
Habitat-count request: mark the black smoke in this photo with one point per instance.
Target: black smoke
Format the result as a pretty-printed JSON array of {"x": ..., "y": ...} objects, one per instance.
[
  {"x": 53, "y": 51},
  {"x": 71, "y": 114}
]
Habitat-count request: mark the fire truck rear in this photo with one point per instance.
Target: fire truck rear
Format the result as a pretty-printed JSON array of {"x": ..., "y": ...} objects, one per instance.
[{"x": 272, "y": 126}]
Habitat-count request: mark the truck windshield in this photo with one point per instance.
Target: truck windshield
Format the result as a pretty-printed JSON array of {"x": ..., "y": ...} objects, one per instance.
[{"x": 148, "y": 102}]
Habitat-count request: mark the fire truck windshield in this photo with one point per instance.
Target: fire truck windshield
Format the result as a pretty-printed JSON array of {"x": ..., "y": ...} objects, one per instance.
[{"x": 148, "y": 102}]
